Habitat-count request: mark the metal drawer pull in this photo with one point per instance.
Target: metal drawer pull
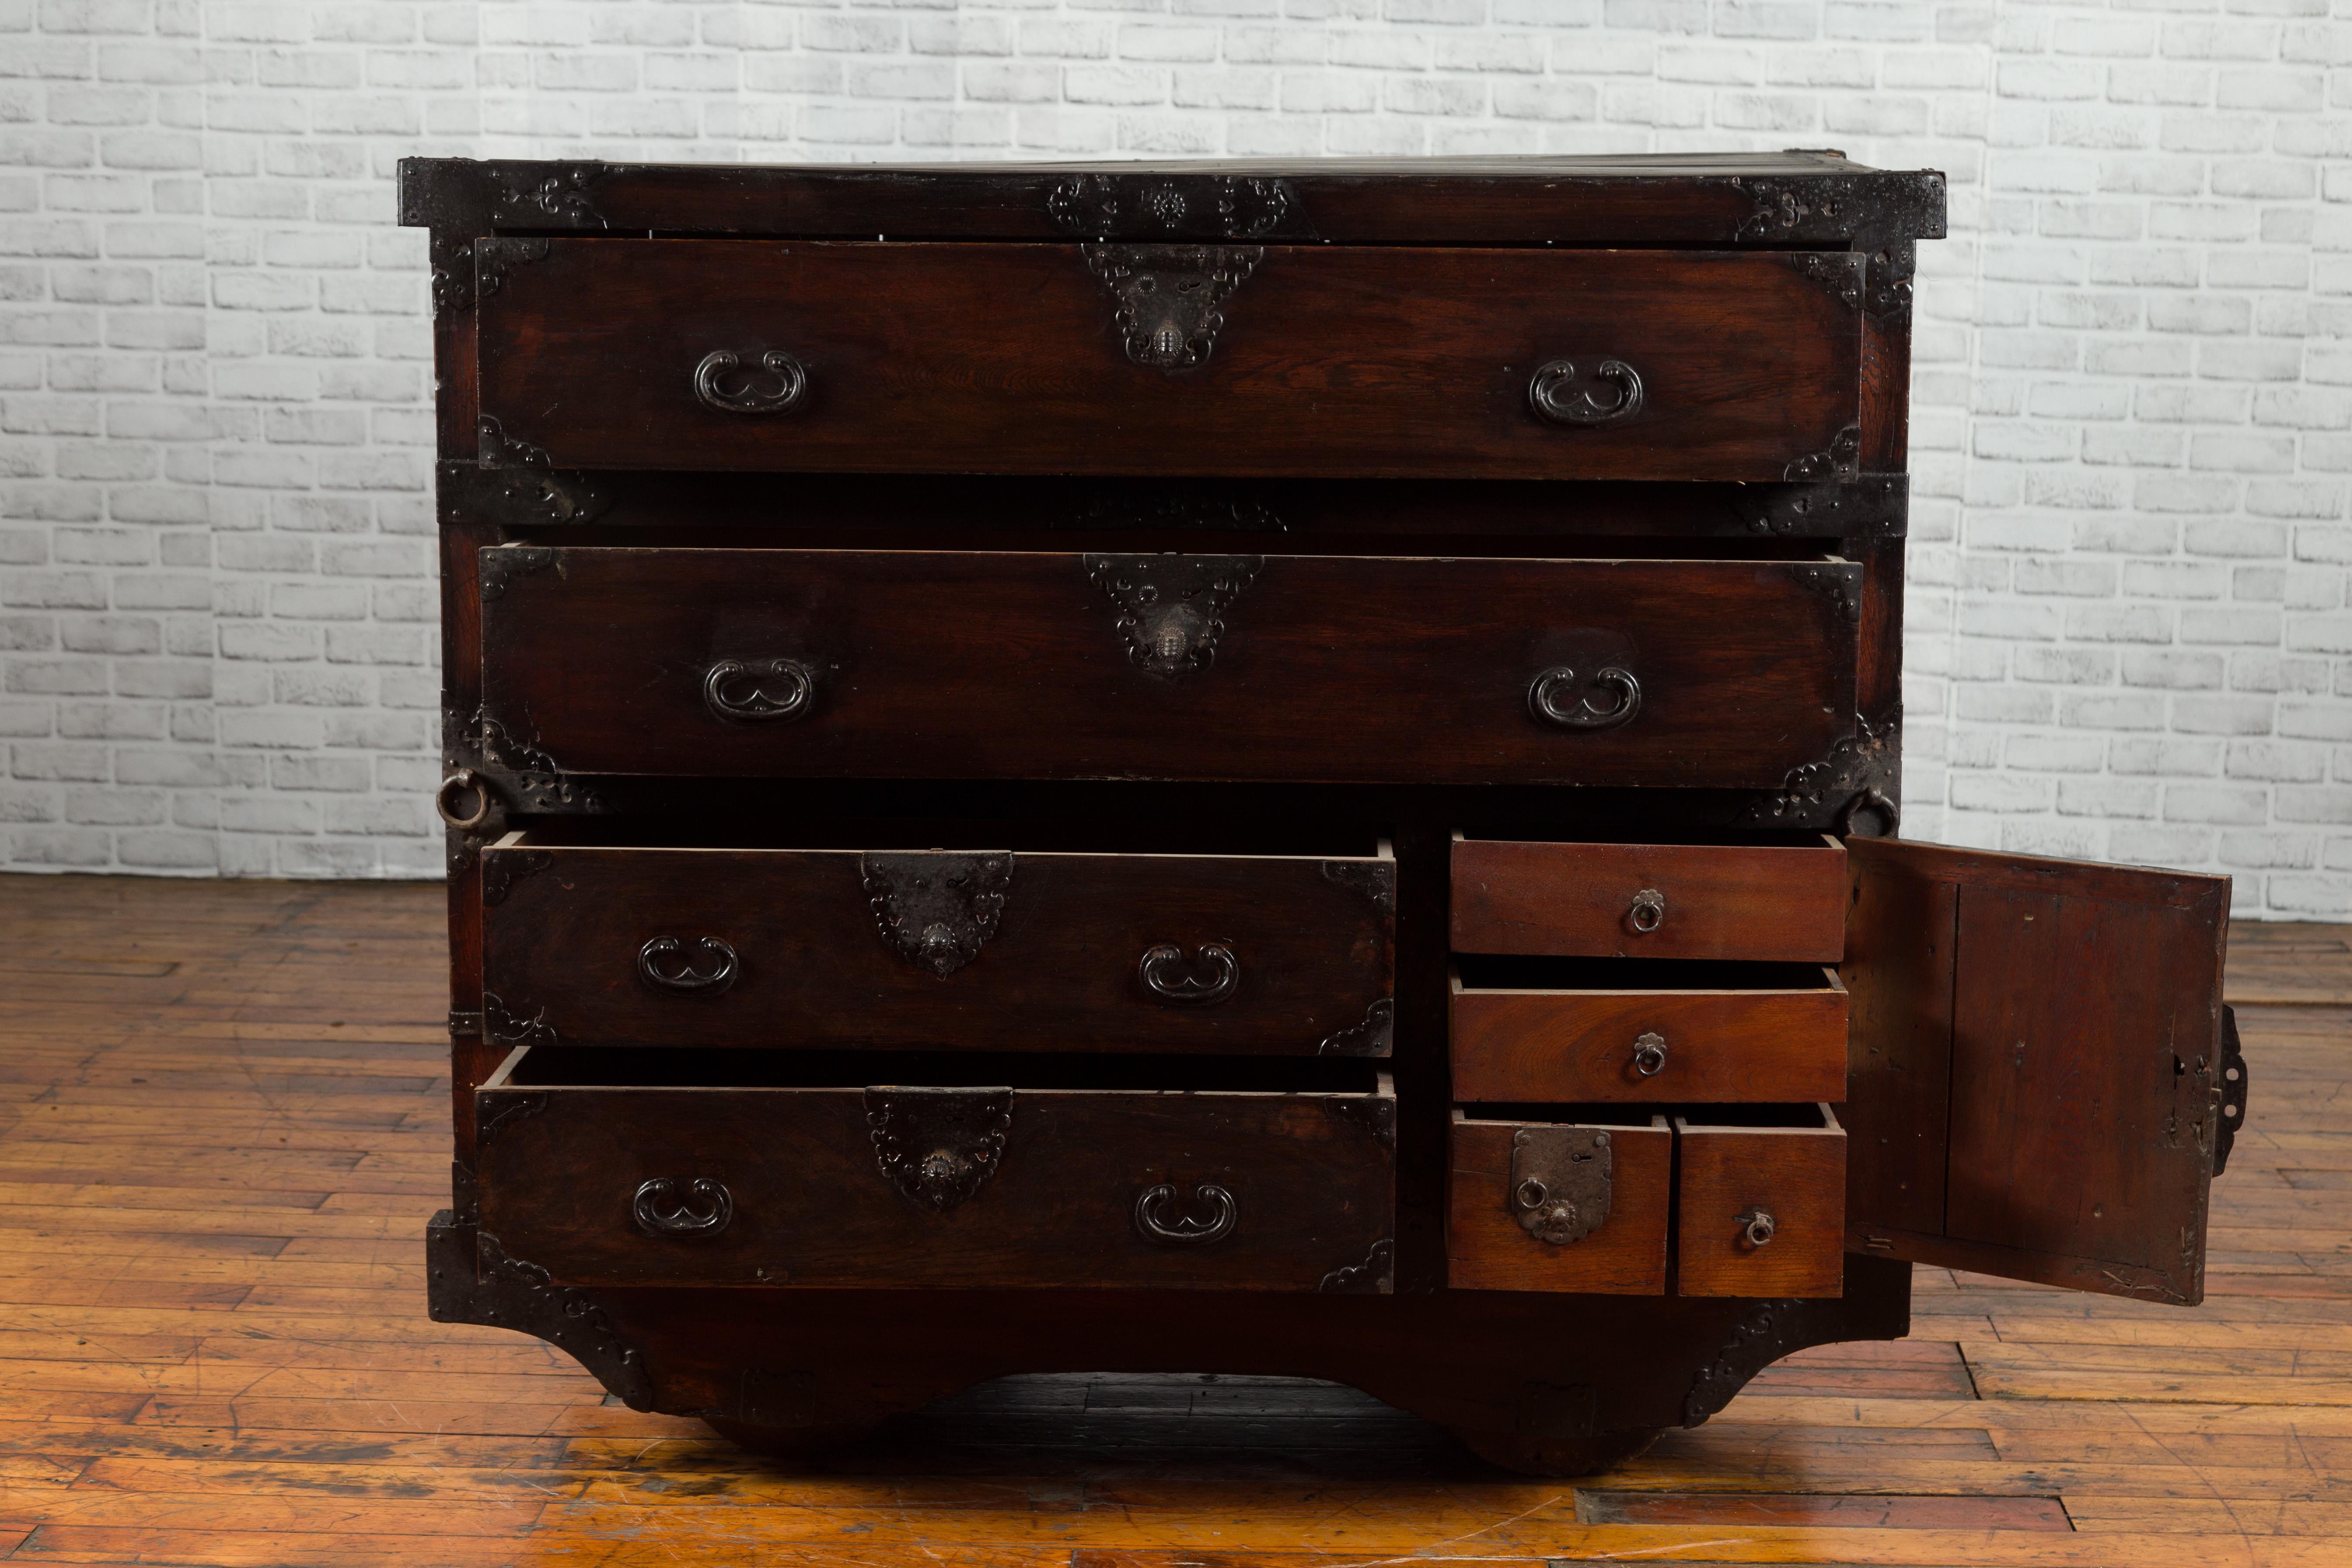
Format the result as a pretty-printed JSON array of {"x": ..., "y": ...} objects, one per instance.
[
  {"x": 658, "y": 1211},
  {"x": 1187, "y": 1231},
  {"x": 1547, "y": 393},
  {"x": 456, "y": 790},
  {"x": 1649, "y": 1053},
  {"x": 1757, "y": 1231},
  {"x": 711, "y": 969},
  {"x": 1161, "y": 972},
  {"x": 1647, "y": 913},
  {"x": 1545, "y": 694},
  {"x": 792, "y": 384},
  {"x": 739, "y": 693}
]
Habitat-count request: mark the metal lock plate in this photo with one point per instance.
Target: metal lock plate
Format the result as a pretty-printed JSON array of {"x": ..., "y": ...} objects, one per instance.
[{"x": 1561, "y": 1179}]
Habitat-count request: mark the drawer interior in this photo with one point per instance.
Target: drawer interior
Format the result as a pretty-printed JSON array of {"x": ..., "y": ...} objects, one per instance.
[
  {"x": 1514, "y": 972},
  {"x": 621, "y": 1066}
]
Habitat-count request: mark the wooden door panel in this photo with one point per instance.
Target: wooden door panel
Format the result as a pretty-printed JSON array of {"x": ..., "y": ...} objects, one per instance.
[{"x": 2036, "y": 1065}]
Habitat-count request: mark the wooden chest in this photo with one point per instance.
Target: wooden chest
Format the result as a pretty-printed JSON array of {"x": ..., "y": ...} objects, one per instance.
[{"x": 1270, "y": 769}]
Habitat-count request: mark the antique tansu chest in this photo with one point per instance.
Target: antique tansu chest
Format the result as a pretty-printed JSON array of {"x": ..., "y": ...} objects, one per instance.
[{"x": 1283, "y": 769}]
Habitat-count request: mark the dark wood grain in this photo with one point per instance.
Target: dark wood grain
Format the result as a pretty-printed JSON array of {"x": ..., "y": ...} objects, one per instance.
[
  {"x": 1012, "y": 664},
  {"x": 1797, "y": 1172},
  {"x": 1333, "y": 361},
  {"x": 1778, "y": 902},
  {"x": 1487, "y": 1249},
  {"x": 1530, "y": 1044},
  {"x": 1314, "y": 946},
  {"x": 1309, "y": 1173},
  {"x": 2084, "y": 1008},
  {"x": 1901, "y": 948}
]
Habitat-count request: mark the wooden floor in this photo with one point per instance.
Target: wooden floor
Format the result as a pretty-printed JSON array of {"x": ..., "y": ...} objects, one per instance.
[{"x": 223, "y": 1128}]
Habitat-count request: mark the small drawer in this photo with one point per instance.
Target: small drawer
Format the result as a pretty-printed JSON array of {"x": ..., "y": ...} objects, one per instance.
[
  {"x": 1762, "y": 1208},
  {"x": 1495, "y": 1217},
  {"x": 738, "y": 1168},
  {"x": 888, "y": 949},
  {"x": 887, "y": 664},
  {"x": 1613, "y": 1030},
  {"x": 1767, "y": 902},
  {"x": 1324, "y": 361}
]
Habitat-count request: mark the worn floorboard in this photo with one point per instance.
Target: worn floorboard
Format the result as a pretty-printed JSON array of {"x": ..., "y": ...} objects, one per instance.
[{"x": 223, "y": 1121}]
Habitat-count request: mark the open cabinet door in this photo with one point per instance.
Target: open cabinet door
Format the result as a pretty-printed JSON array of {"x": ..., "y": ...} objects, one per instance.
[{"x": 2036, "y": 1065}]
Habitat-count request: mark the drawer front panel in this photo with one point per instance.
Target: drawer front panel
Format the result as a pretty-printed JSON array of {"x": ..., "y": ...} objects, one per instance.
[
  {"x": 1794, "y": 1177},
  {"x": 1618, "y": 1046},
  {"x": 1770, "y": 904},
  {"x": 1487, "y": 1249},
  {"x": 1335, "y": 362},
  {"x": 1080, "y": 1188},
  {"x": 1028, "y": 665},
  {"x": 838, "y": 950}
]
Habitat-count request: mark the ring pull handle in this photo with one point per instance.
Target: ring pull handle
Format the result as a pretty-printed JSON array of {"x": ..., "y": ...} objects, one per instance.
[
  {"x": 1645, "y": 914},
  {"x": 1162, "y": 975},
  {"x": 1547, "y": 693},
  {"x": 706, "y": 1210},
  {"x": 748, "y": 396},
  {"x": 1186, "y": 1231},
  {"x": 755, "y": 693},
  {"x": 1649, "y": 1053},
  {"x": 663, "y": 963},
  {"x": 1547, "y": 393},
  {"x": 454, "y": 789},
  {"x": 1755, "y": 1229}
]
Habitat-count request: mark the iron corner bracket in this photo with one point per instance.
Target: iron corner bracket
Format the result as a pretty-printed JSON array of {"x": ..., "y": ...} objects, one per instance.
[{"x": 469, "y": 1278}]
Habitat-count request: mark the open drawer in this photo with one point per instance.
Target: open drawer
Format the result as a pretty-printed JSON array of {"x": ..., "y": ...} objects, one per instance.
[
  {"x": 737, "y": 1168},
  {"x": 1764, "y": 901},
  {"x": 1620, "y": 1030},
  {"x": 1578, "y": 1204},
  {"x": 1746, "y": 1200},
  {"x": 995, "y": 950}
]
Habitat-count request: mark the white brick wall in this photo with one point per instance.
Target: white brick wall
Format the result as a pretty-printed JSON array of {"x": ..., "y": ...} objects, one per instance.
[{"x": 2130, "y": 637}]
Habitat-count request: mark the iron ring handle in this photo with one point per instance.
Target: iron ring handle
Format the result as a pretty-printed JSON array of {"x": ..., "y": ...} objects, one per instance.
[
  {"x": 1755, "y": 1229},
  {"x": 1187, "y": 1231},
  {"x": 687, "y": 973},
  {"x": 709, "y": 1207},
  {"x": 1649, "y": 1053},
  {"x": 1545, "y": 393},
  {"x": 1645, "y": 914},
  {"x": 756, "y": 706},
  {"x": 460, "y": 782},
  {"x": 791, "y": 383},
  {"x": 1161, "y": 974},
  {"x": 1544, "y": 694}
]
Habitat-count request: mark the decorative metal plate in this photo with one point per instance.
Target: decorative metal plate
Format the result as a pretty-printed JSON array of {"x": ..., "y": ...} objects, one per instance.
[
  {"x": 1168, "y": 296},
  {"x": 1171, "y": 608},
  {"x": 939, "y": 1146},
  {"x": 1560, "y": 1180},
  {"x": 936, "y": 906}
]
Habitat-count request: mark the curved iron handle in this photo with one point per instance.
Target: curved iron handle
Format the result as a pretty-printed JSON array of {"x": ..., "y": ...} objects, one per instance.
[
  {"x": 1158, "y": 971},
  {"x": 658, "y": 1211},
  {"x": 688, "y": 973},
  {"x": 798, "y": 682},
  {"x": 1545, "y": 691},
  {"x": 792, "y": 384},
  {"x": 460, "y": 782},
  {"x": 1545, "y": 393},
  {"x": 1187, "y": 1231},
  {"x": 1755, "y": 1229},
  {"x": 1649, "y": 1053},
  {"x": 1647, "y": 913}
]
